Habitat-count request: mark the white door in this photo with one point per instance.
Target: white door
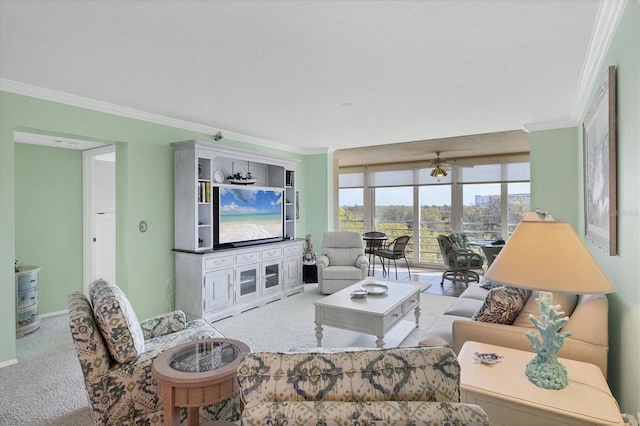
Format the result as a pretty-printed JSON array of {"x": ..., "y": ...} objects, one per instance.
[{"x": 99, "y": 215}]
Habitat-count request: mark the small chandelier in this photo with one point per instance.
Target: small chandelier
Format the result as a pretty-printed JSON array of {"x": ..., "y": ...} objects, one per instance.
[{"x": 439, "y": 169}]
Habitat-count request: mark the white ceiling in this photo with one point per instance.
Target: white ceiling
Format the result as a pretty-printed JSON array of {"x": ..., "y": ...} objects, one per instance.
[{"x": 310, "y": 76}]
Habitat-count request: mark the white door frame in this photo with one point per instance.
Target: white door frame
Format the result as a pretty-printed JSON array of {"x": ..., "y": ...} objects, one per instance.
[{"x": 89, "y": 212}]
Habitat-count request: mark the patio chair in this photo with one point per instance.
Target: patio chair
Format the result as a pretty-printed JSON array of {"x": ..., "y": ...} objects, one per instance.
[
  {"x": 373, "y": 240},
  {"x": 394, "y": 251},
  {"x": 459, "y": 261}
]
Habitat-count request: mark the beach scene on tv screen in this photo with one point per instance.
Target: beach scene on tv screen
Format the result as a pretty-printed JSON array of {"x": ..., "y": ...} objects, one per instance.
[{"x": 249, "y": 214}]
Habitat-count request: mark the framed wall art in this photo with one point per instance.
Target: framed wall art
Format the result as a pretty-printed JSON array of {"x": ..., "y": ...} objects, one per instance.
[{"x": 599, "y": 151}]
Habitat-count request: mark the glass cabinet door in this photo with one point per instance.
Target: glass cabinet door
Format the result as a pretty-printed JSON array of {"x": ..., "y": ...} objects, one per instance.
[
  {"x": 271, "y": 276},
  {"x": 248, "y": 276}
]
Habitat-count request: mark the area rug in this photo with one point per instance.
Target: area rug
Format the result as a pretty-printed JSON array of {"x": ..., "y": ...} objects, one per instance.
[{"x": 289, "y": 323}]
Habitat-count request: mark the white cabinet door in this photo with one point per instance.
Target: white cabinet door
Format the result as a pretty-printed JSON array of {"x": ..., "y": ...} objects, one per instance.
[
  {"x": 218, "y": 289},
  {"x": 292, "y": 271}
]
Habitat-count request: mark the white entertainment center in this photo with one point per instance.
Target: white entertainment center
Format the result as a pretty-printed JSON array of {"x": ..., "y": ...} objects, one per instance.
[{"x": 225, "y": 265}]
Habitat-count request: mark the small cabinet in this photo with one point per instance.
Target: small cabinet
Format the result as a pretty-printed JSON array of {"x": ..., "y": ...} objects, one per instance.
[
  {"x": 27, "y": 317},
  {"x": 218, "y": 290},
  {"x": 292, "y": 266}
]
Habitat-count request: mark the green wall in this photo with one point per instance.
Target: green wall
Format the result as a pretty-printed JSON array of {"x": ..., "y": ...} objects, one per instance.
[
  {"x": 48, "y": 207},
  {"x": 558, "y": 155},
  {"x": 319, "y": 173},
  {"x": 556, "y": 180},
  {"x": 41, "y": 204}
]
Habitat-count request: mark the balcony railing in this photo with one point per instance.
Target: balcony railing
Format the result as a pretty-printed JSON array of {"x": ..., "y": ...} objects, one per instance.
[{"x": 427, "y": 244}]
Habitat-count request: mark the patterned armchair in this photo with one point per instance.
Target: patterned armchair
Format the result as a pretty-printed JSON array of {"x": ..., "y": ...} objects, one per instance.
[
  {"x": 116, "y": 352},
  {"x": 459, "y": 261},
  {"x": 378, "y": 386}
]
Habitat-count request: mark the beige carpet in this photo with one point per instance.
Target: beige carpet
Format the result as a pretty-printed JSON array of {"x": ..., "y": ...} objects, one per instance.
[
  {"x": 46, "y": 386},
  {"x": 289, "y": 323}
]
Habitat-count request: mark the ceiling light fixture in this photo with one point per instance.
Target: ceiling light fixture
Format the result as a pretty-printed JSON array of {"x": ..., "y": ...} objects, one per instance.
[{"x": 439, "y": 169}]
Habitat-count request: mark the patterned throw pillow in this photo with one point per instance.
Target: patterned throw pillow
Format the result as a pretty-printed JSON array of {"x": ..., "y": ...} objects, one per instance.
[
  {"x": 502, "y": 305},
  {"x": 488, "y": 285},
  {"x": 117, "y": 321}
]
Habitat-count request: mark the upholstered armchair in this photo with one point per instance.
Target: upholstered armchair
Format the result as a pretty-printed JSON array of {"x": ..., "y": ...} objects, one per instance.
[
  {"x": 342, "y": 261},
  {"x": 116, "y": 352},
  {"x": 459, "y": 261}
]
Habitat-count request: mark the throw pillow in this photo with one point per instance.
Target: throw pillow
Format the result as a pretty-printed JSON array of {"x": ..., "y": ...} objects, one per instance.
[
  {"x": 502, "y": 305},
  {"x": 566, "y": 301},
  {"x": 488, "y": 285},
  {"x": 117, "y": 321}
]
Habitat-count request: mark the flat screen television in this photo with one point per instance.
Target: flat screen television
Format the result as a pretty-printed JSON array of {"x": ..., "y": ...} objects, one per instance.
[{"x": 249, "y": 215}]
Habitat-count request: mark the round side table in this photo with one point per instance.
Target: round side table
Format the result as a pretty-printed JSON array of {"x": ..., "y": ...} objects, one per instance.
[{"x": 197, "y": 373}]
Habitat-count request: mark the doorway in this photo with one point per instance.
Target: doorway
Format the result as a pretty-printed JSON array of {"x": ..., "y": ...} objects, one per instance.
[{"x": 99, "y": 215}]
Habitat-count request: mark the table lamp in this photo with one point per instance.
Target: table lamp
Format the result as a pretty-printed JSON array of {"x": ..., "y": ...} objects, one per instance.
[{"x": 547, "y": 255}]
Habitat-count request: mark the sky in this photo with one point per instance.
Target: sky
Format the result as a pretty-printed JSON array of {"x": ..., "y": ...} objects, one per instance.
[{"x": 430, "y": 195}]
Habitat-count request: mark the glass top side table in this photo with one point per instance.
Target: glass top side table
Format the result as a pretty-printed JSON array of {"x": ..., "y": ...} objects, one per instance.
[{"x": 197, "y": 373}]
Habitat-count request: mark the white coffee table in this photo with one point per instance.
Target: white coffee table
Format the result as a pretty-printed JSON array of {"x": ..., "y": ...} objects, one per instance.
[{"x": 374, "y": 314}]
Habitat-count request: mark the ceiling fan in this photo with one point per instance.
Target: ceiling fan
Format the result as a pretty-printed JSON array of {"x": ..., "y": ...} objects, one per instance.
[{"x": 439, "y": 166}]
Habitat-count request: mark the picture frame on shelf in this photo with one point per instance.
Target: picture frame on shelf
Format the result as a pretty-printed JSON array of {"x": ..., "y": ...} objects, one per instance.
[{"x": 600, "y": 166}]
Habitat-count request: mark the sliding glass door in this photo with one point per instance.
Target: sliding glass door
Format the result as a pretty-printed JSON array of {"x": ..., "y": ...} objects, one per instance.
[{"x": 485, "y": 201}]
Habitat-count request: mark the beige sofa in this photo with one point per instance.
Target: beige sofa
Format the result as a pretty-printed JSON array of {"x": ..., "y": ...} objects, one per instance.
[
  {"x": 396, "y": 386},
  {"x": 588, "y": 323}
]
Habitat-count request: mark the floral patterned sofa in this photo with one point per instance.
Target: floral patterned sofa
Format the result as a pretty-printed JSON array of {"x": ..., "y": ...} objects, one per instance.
[
  {"x": 116, "y": 352},
  {"x": 408, "y": 386}
]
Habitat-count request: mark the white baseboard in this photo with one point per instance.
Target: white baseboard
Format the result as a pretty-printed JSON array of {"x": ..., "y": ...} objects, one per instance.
[
  {"x": 8, "y": 363},
  {"x": 54, "y": 314}
]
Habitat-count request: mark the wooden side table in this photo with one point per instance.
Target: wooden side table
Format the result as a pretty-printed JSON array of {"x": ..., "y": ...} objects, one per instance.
[
  {"x": 505, "y": 393},
  {"x": 197, "y": 373}
]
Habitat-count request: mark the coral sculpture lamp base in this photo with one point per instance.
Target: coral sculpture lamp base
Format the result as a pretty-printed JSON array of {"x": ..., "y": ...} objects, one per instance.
[
  {"x": 547, "y": 374},
  {"x": 545, "y": 370}
]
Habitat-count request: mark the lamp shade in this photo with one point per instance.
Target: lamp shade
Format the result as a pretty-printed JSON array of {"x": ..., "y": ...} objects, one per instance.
[{"x": 548, "y": 255}]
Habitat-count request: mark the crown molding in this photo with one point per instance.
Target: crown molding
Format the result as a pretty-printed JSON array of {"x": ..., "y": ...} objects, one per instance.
[
  {"x": 609, "y": 14},
  {"x": 81, "y": 102},
  {"x": 548, "y": 125},
  {"x": 607, "y": 19}
]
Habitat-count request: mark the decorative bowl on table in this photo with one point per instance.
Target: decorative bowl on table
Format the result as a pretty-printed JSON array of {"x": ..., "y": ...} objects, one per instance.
[
  {"x": 487, "y": 357},
  {"x": 375, "y": 289},
  {"x": 358, "y": 294}
]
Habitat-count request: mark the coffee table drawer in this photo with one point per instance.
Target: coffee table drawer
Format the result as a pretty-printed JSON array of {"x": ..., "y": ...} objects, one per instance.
[
  {"x": 393, "y": 317},
  {"x": 409, "y": 305},
  {"x": 354, "y": 321}
]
